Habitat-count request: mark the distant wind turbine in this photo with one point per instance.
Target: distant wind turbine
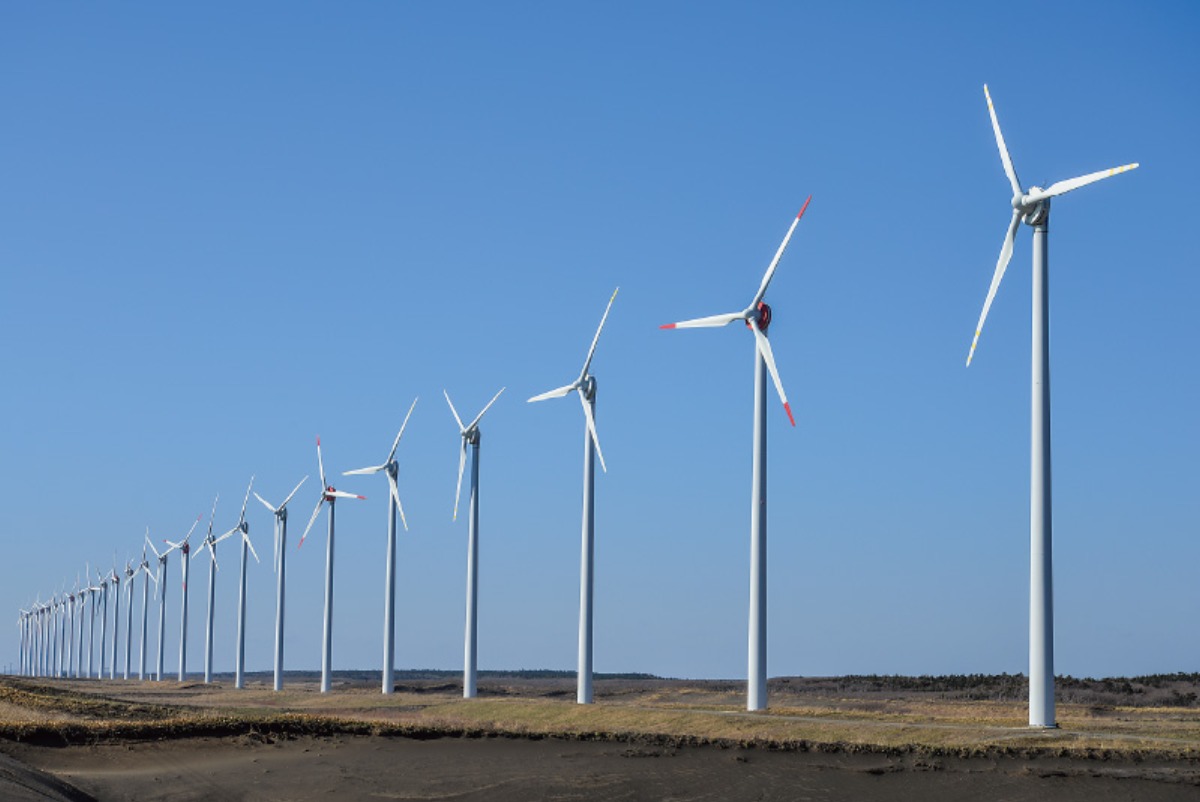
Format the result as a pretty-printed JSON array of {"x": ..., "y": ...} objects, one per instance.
[
  {"x": 585, "y": 387},
  {"x": 242, "y": 529},
  {"x": 757, "y": 317},
  {"x": 328, "y": 495},
  {"x": 392, "y": 470},
  {"x": 185, "y": 550},
  {"x": 470, "y": 436},
  {"x": 1034, "y": 208},
  {"x": 210, "y": 542},
  {"x": 144, "y": 568},
  {"x": 281, "y": 516}
]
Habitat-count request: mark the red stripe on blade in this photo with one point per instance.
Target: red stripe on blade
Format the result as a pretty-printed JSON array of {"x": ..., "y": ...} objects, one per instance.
[
  {"x": 788, "y": 409},
  {"x": 802, "y": 208},
  {"x": 667, "y": 326}
]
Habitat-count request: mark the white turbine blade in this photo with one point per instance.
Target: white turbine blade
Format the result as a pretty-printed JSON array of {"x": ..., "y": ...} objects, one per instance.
[
  {"x": 1063, "y": 187},
  {"x": 454, "y": 412},
  {"x": 396, "y": 442},
  {"x": 706, "y": 322},
  {"x": 294, "y": 489},
  {"x": 1001, "y": 265},
  {"x": 358, "y": 471},
  {"x": 193, "y": 529},
  {"x": 174, "y": 546},
  {"x": 479, "y": 417},
  {"x": 265, "y": 504},
  {"x": 213, "y": 554},
  {"x": 230, "y": 533},
  {"x": 762, "y": 289},
  {"x": 344, "y": 494},
  {"x": 1009, "y": 170},
  {"x": 311, "y": 520},
  {"x": 462, "y": 463},
  {"x": 151, "y": 544},
  {"x": 396, "y": 496},
  {"x": 591, "y": 425},
  {"x": 559, "y": 393},
  {"x": 764, "y": 350},
  {"x": 250, "y": 545},
  {"x": 321, "y": 465},
  {"x": 587, "y": 363},
  {"x": 246, "y": 500},
  {"x": 212, "y": 518}
]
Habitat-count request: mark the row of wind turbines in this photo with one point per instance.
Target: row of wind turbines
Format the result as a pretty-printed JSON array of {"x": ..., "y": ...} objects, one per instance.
[{"x": 47, "y": 628}]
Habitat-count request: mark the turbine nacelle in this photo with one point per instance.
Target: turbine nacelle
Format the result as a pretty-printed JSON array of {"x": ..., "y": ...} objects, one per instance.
[{"x": 761, "y": 315}]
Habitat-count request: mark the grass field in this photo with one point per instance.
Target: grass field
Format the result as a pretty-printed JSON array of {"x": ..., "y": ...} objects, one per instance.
[{"x": 854, "y": 715}]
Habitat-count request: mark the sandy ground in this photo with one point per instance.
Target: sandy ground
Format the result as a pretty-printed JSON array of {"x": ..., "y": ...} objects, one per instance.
[{"x": 501, "y": 769}]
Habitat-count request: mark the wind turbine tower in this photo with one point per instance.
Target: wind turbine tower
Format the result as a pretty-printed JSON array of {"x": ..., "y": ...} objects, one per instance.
[
  {"x": 470, "y": 435},
  {"x": 328, "y": 496},
  {"x": 757, "y": 317},
  {"x": 585, "y": 387},
  {"x": 392, "y": 470},
  {"x": 281, "y": 516},
  {"x": 1033, "y": 207}
]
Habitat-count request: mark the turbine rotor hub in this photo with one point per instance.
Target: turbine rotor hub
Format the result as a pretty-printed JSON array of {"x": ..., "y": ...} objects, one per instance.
[{"x": 762, "y": 316}]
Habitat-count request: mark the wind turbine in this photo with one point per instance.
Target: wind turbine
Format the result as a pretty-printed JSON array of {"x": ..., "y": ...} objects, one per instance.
[
  {"x": 103, "y": 620},
  {"x": 83, "y": 594},
  {"x": 114, "y": 581},
  {"x": 470, "y": 436},
  {"x": 389, "y": 602},
  {"x": 1033, "y": 206},
  {"x": 330, "y": 495},
  {"x": 129, "y": 574},
  {"x": 92, "y": 591},
  {"x": 281, "y": 516},
  {"x": 69, "y": 640},
  {"x": 144, "y": 567},
  {"x": 210, "y": 542},
  {"x": 757, "y": 317},
  {"x": 185, "y": 550},
  {"x": 585, "y": 386},
  {"x": 243, "y": 529}
]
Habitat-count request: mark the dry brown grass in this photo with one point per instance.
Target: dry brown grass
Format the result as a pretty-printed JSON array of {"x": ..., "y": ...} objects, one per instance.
[{"x": 84, "y": 711}]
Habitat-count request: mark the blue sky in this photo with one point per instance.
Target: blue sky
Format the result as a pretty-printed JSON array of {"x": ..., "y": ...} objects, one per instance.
[{"x": 229, "y": 228}]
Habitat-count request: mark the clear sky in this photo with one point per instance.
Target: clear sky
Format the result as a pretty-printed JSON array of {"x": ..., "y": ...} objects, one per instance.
[{"x": 226, "y": 228}]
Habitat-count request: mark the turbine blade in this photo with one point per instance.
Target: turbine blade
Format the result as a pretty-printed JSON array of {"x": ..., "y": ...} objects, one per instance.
[
  {"x": 462, "y": 463},
  {"x": 360, "y": 471},
  {"x": 479, "y": 417},
  {"x": 591, "y": 425},
  {"x": 591, "y": 351},
  {"x": 246, "y": 500},
  {"x": 559, "y": 393},
  {"x": 151, "y": 544},
  {"x": 454, "y": 412},
  {"x": 762, "y": 289},
  {"x": 1001, "y": 265},
  {"x": 265, "y": 504},
  {"x": 1009, "y": 170},
  {"x": 311, "y": 520},
  {"x": 212, "y": 518},
  {"x": 764, "y": 350},
  {"x": 193, "y": 529},
  {"x": 321, "y": 465},
  {"x": 294, "y": 489},
  {"x": 1063, "y": 187},
  {"x": 396, "y": 495},
  {"x": 396, "y": 443},
  {"x": 344, "y": 494},
  {"x": 246, "y": 538},
  {"x": 706, "y": 322}
]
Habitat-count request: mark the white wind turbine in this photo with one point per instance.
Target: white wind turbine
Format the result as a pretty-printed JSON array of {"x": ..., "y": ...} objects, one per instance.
[
  {"x": 585, "y": 386},
  {"x": 328, "y": 495},
  {"x": 243, "y": 529},
  {"x": 210, "y": 542},
  {"x": 185, "y": 562},
  {"x": 281, "y": 517},
  {"x": 81, "y": 600},
  {"x": 1034, "y": 208},
  {"x": 114, "y": 580},
  {"x": 392, "y": 470},
  {"x": 144, "y": 567},
  {"x": 757, "y": 317},
  {"x": 470, "y": 436},
  {"x": 103, "y": 621},
  {"x": 130, "y": 572}
]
